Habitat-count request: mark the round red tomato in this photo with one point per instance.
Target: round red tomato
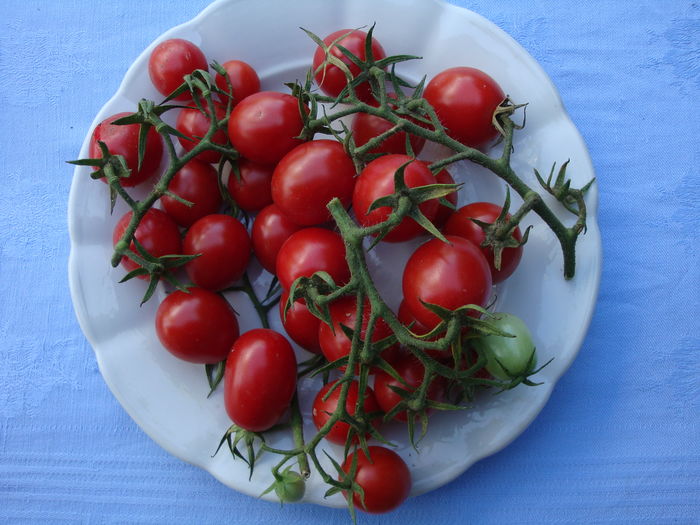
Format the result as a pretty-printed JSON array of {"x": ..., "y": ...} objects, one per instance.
[
  {"x": 461, "y": 224},
  {"x": 252, "y": 190},
  {"x": 244, "y": 80},
  {"x": 444, "y": 212},
  {"x": 260, "y": 379},
  {"x": 366, "y": 127},
  {"x": 330, "y": 78},
  {"x": 195, "y": 124},
  {"x": 198, "y": 326},
  {"x": 170, "y": 61},
  {"x": 384, "y": 478},
  {"x": 124, "y": 141},
  {"x": 300, "y": 324},
  {"x": 309, "y": 251},
  {"x": 264, "y": 126},
  {"x": 325, "y": 404},
  {"x": 271, "y": 229},
  {"x": 450, "y": 275},
  {"x": 224, "y": 245},
  {"x": 197, "y": 183},
  {"x": 465, "y": 100},
  {"x": 377, "y": 180},
  {"x": 335, "y": 344},
  {"x": 156, "y": 232},
  {"x": 308, "y": 177},
  {"x": 412, "y": 371}
]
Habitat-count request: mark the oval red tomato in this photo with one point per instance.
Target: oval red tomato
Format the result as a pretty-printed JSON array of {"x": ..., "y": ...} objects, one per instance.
[
  {"x": 198, "y": 326},
  {"x": 194, "y": 124},
  {"x": 300, "y": 324},
  {"x": 325, "y": 404},
  {"x": 197, "y": 183},
  {"x": 170, "y": 61},
  {"x": 271, "y": 229},
  {"x": 251, "y": 190},
  {"x": 244, "y": 80},
  {"x": 260, "y": 379}
]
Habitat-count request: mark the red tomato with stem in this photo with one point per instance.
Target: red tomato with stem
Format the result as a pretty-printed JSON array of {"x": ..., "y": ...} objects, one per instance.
[
  {"x": 377, "y": 180},
  {"x": 198, "y": 326},
  {"x": 271, "y": 229},
  {"x": 311, "y": 250},
  {"x": 244, "y": 80},
  {"x": 384, "y": 477},
  {"x": 330, "y": 78},
  {"x": 450, "y": 275},
  {"x": 308, "y": 177},
  {"x": 264, "y": 126},
  {"x": 300, "y": 324},
  {"x": 170, "y": 61},
  {"x": 326, "y": 403},
  {"x": 224, "y": 245},
  {"x": 124, "y": 141},
  {"x": 197, "y": 183},
  {"x": 461, "y": 224},
  {"x": 195, "y": 124},
  {"x": 156, "y": 232},
  {"x": 465, "y": 100},
  {"x": 252, "y": 191},
  {"x": 260, "y": 379},
  {"x": 444, "y": 212}
]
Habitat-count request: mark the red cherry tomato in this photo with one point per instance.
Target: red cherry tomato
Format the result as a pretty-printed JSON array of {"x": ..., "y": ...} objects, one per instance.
[
  {"x": 244, "y": 80},
  {"x": 330, "y": 78},
  {"x": 444, "y": 212},
  {"x": 124, "y": 141},
  {"x": 197, "y": 183},
  {"x": 384, "y": 478},
  {"x": 195, "y": 124},
  {"x": 311, "y": 250},
  {"x": 263, "y": 127},
  {"x": 461, "y": 224},
  {"x": 324, "y": 408},
  {"x": 198, "y": 326},
  {"x": 156, "y": 232},
  {"x": 260, "y": 379},
  {"x": 335, "y": 344},
  {"x": 308, "y": 177},
  {"x": 412, "y": 372},
  {"x": 300, "y": 324},
  {"x": 449, "y": 275},
  {"x": 170, "y": 61},
  {"x": 271, "y": 229},
  {"x": 377, "y": 180},
  {"x": 224, "y": 245},
  {"x": 408, "y": 320},
  {"x": 465, "y": 100},
  {"x": 252, "y": 191}
]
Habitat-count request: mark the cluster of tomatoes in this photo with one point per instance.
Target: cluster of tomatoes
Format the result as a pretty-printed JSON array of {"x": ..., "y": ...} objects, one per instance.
[{"x": 286, "y": 183}]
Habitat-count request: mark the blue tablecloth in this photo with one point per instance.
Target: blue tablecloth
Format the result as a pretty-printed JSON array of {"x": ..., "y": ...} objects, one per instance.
[{"x": 619, "y": 441}]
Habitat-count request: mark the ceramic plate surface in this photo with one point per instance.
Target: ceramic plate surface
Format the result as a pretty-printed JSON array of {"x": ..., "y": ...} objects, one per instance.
[{"x": 167, "y": 397}]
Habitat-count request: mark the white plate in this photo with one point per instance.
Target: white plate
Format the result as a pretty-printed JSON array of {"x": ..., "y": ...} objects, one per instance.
[{"x": 167, "y": 397}]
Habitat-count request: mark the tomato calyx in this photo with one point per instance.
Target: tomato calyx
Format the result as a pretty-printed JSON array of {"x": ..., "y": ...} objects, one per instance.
[
  {"x": 289, "y": 485},
  {"x": 251, "y": 442}
]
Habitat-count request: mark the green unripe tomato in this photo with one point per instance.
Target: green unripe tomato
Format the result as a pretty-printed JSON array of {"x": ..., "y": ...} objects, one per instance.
[
  {"x": 508, "y": 357},
  {"x": 290, "y": 487}
]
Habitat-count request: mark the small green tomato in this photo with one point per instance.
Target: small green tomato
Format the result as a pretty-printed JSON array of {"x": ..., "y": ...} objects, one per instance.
[{"x": 508, "y": 357}]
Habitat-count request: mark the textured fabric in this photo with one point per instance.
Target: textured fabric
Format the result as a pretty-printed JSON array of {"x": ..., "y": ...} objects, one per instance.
[{"x": 619, "y": 441}]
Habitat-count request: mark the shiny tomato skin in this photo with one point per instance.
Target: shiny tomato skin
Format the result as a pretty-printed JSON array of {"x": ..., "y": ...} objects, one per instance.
[
  {"x": 444, "y": 212},
  {"x": 300, "y": 324},
  {"x": 264, "y": 126},
  {"x": 197, "y": 183},
  {"x": 124, "y": 141},
  {"x": 156, "y": 232},
  {"x": 365, "y": 127},
  {"x": 244, "y": 80},
  {"x": 308, "y": 251},
  {"x": 252, "y": 192},
  {"x": 377, "y": 180},
  {"x": 308, "y": 177},
  {"x": 260, "y": 379},
  {"x": 412, "y": 371},
  {"x": 449, "y": 275},
  {"x": 384, "y": 478},
  {"x": 170, "y": 61},
  {"x": 195, "y": 124},
  {"x": 224, "y": 245},
  {"x": 465, "y": 100},
  {"x": 461, "y": 224},
  {"x": 324, "y": 408},
  {"x": 271, "y": 229},
  {"x": 198, "y": 326},
  {"x": 330, "y": 78}
]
